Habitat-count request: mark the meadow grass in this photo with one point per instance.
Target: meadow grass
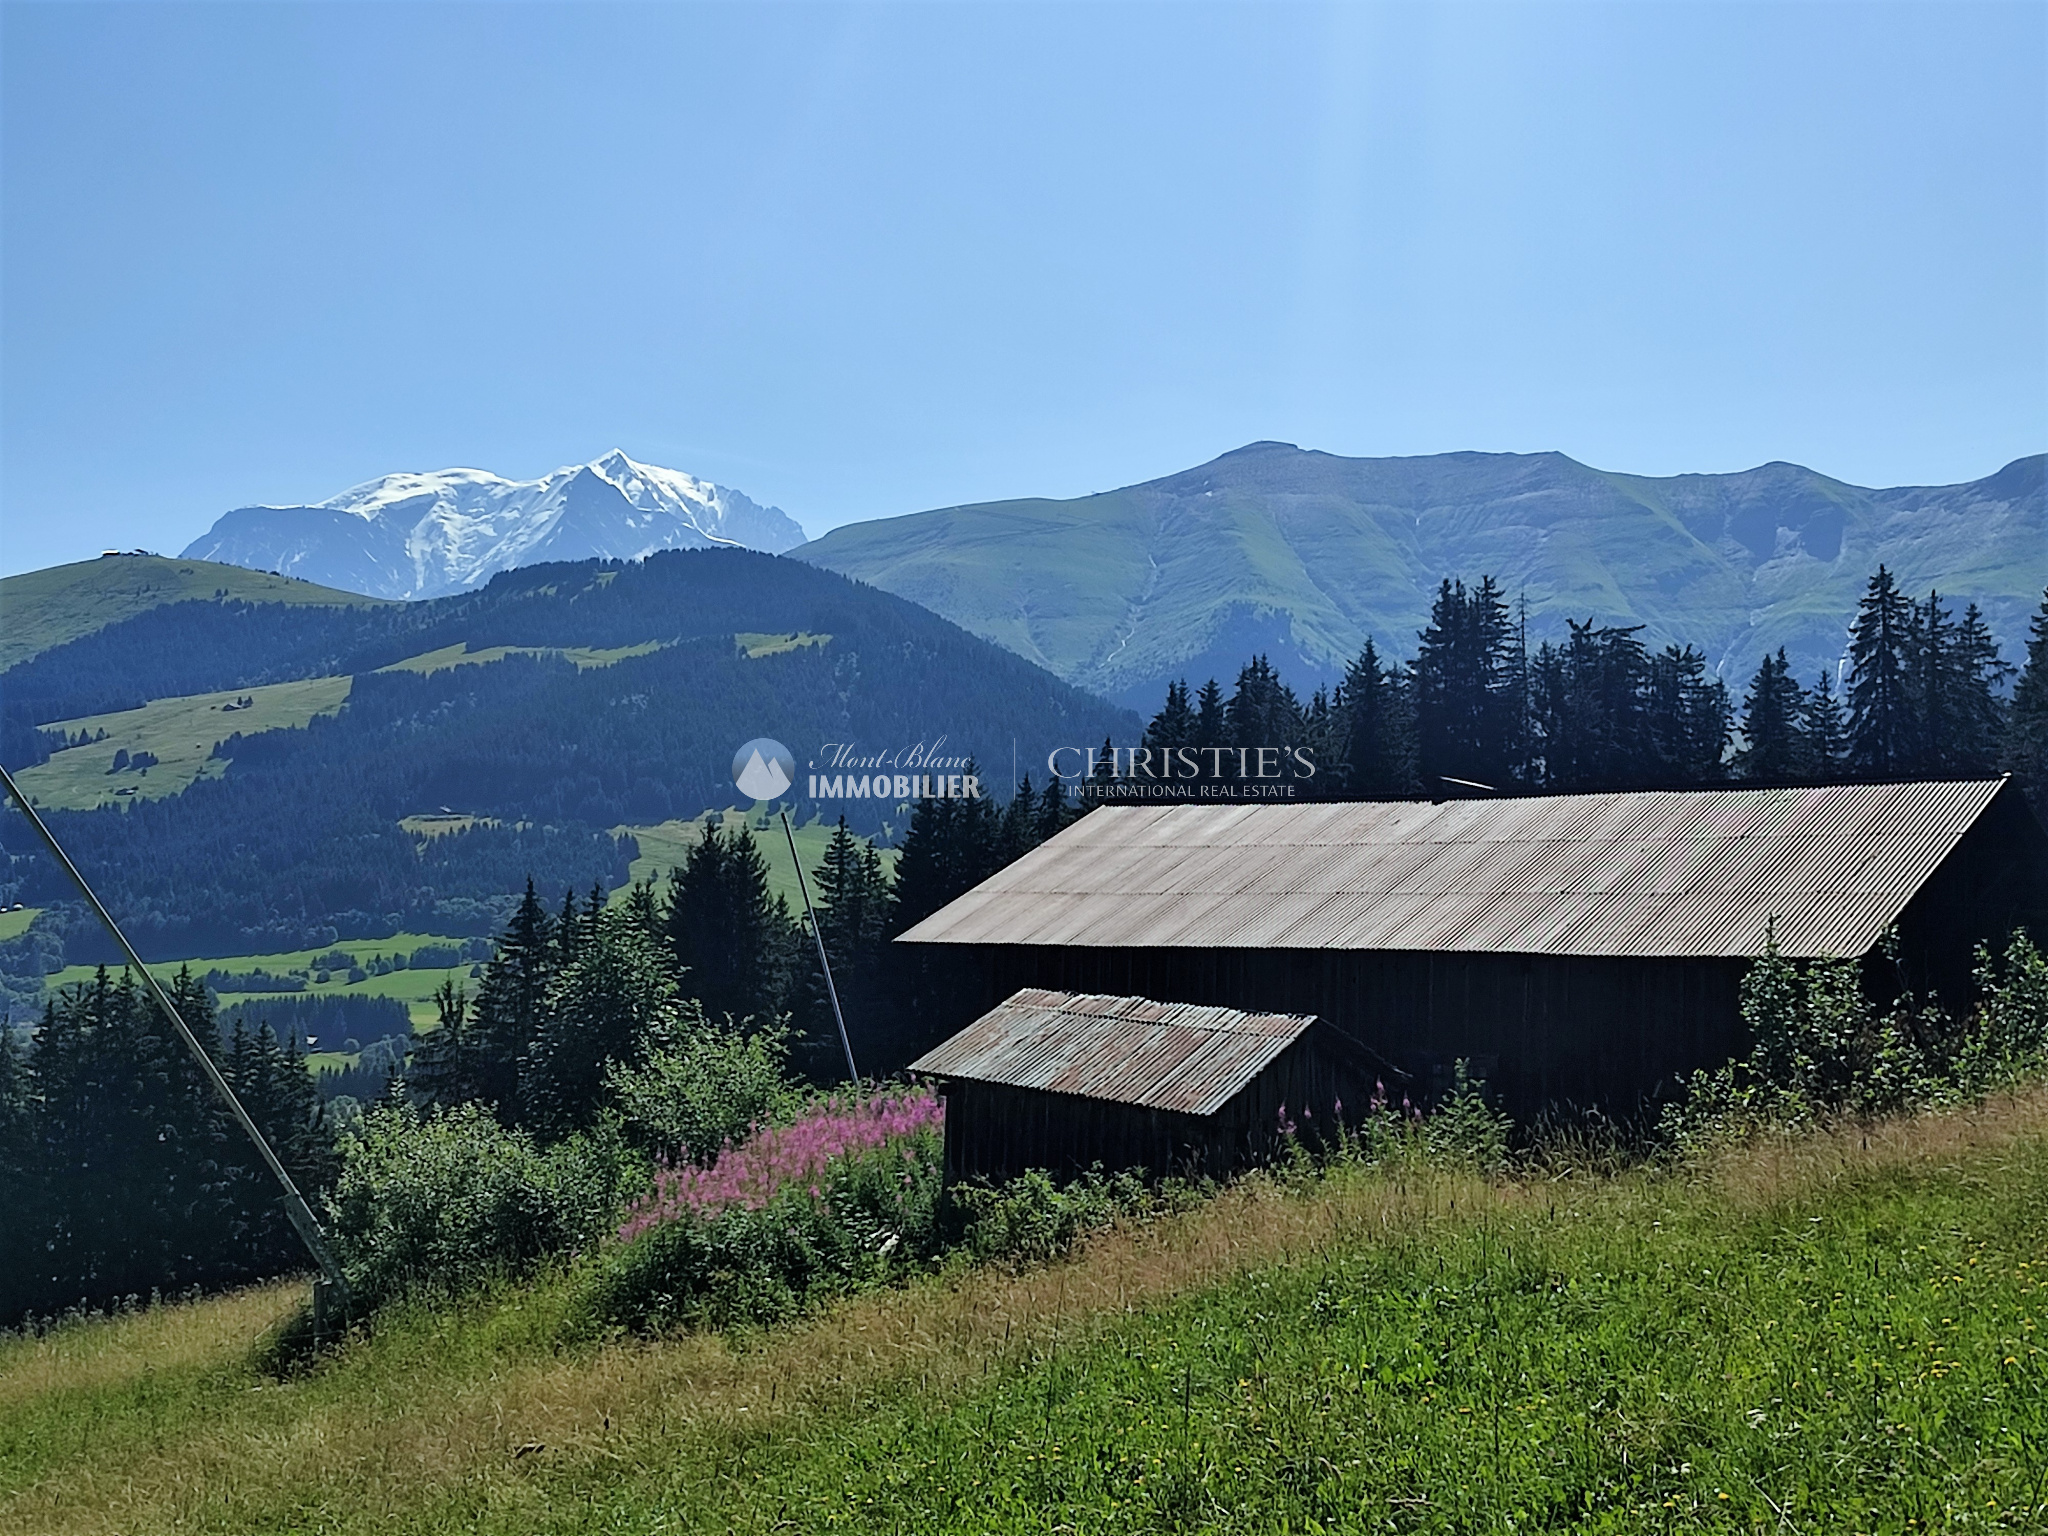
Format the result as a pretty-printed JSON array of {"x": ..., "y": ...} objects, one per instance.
[
  {"x": 754, "y": 646},
  {"x": 413, "y": 987},
  {"x": 181, "y": 731},
  {"x": 665, "y": 845},
  {"x": 14, "y": 924},
  {"x": 1836, "y": 1332},
  {"x": 48, "y": 607},
  {"x": 461, "y": 654}
]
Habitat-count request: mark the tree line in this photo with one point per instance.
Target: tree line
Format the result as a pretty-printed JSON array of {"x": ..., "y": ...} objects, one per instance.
[{"x": 1476, "y": 708}]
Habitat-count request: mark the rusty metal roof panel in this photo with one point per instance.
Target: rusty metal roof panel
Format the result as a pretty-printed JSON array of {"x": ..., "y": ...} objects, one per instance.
[
  {"x": 1125, "y": 1050},
  {"x": 1688, "y": 872}
]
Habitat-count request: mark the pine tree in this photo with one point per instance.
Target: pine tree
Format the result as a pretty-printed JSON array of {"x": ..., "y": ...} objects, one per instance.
[
  {"x": 1262, "y": 712},
  {"x": 1467, "y": 701},
  {"x": 511, "y": 1002},
  {"x": 1017, "y": 832},
  {"x": 1211, "y": 727},
  {"x": 1378, "y": 731},
  {"x": 1882, "y": 728},
  {"x": 446, "y": 1064},
  {"x": 2024, "y": 753},
  {"x": 272, "y": 1083},
  {"x": 723, "y": 927},
  {"x": 1776, "y": 750},
  {"x": 1980, "y": 715},
  {"x": 1689, "y": 720},
  {"x": 1827, "y": 733},
  {"x": 1174, "y": 726}
]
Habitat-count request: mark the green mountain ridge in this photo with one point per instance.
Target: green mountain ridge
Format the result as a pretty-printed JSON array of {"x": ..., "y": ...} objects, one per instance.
[
  {"x": 1303, "y": 554},
  {"x": 41, "y": 609}
]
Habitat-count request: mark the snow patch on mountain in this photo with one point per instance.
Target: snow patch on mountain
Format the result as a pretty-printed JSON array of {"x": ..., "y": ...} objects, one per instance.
[{"x": 413, "y": 535}]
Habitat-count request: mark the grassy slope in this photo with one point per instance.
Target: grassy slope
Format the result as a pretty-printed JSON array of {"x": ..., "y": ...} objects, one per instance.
[
  {"x": 1124, "y": 587},
  {"x": 184, "y": 730},
  {"x": 181, "y": 731},
  {"x": 1841, "y": 1334},
  {"x": 40, "y": 609},
  {"x": 412, "y": 987},
  {"x": 14, "y": 924},
  {"x": 665, "y": 845}
]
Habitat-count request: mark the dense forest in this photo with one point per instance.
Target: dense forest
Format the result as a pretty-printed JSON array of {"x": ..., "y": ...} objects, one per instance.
[
  {"x": 299, "y": 843},
  {"x": 1924, "y": 693}
]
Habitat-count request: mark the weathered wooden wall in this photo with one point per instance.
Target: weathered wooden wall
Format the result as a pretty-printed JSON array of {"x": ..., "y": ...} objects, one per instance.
[{"x": 994, "y": 1131}]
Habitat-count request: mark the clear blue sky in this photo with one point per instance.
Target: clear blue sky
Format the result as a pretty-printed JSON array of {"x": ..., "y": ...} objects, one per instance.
[{"x": 864, "y": 260}]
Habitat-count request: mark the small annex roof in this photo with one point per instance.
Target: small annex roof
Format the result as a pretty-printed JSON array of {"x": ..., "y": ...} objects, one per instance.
[
  {"x": 1665, "y": 873},
  {"x": 1127, "y": 1050}
]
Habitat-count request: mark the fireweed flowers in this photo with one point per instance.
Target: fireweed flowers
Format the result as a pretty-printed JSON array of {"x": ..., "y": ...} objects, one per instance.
[{"x": 772, "y": 1159}]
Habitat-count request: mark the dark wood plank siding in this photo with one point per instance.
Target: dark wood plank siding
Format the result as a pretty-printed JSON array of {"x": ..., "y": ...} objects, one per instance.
[
  {"x": 1541, "y": 1029},
  {"x": 994, "y": 1131}
]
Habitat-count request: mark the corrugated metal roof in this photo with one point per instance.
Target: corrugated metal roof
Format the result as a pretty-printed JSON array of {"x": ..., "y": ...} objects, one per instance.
[
  {"x": 1128, "y": 1050},
  {"x": 1684, "y": 872}
]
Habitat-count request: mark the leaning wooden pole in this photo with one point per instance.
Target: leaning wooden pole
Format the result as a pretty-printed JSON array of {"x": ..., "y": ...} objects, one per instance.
[{"x": 330, "y": 1291}]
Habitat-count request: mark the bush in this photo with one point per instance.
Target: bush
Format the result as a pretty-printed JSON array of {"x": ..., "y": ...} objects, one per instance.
[
  {"x": 435, "y": 957},
  {"x": 1821, "y": 1048},
  {"x": 691, "y": 1099},
  {"x": 1032, "y": 1220},
  {"x": 871, "y": 1217},
  {"x": 1465, "y": 1131},
  {"x": 437, "y": 1202}
]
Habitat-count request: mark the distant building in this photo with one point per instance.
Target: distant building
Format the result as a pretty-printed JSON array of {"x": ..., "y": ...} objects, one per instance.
[
  {"x": 1065, "y": 1081},
  {"x": 1576, "y": 949}
]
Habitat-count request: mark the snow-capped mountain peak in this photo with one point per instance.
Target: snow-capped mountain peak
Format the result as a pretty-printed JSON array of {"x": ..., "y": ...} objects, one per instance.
[{"x": 413, "y": 534}]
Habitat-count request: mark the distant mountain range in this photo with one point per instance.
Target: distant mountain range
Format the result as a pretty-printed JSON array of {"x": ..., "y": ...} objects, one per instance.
[
  {"x": 1302, "y": 555},
  {"x": 426, "y": 535}
]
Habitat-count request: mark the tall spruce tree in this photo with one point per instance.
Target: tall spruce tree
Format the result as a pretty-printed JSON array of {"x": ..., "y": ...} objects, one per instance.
[
  {"x": 1826, "y": 729},
  {"x": 132, "y": 1150},
  {"x": 725, "y": 929},
  {"x": 1981, "y": 710},
  {"x": 1776, "y": 749},
  {"x": 1262, "y": 713},
  {"x": 1883, "y": 730},
  {"x": 1690, "y": 717},
  {"x": 511, "y": 1003},
  {"x": 1174, "y": 726},
  {"x": 2024, "y": 752},
  {"x": 271, "y": 1081},
  {"x": 1212, "y": 729},
  {"x": 1467, "y": 711},
  {"x": 1378, "y": 730}
]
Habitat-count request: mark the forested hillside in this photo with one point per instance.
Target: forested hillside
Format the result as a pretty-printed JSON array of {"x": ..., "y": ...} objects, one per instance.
[{"x": 534, "y": 758}]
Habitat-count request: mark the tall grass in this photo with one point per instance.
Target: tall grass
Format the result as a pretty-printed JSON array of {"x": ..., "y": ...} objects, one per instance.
[{"x": 1399, "y": 1347}]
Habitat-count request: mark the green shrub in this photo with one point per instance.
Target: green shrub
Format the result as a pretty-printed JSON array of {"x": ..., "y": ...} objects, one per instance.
[
  {"x": 437, "y": 1202},
  {"x": 1033, "y": 1220},
  {"x": 1466, "y": 1131},
  {"x": 692, "y": 1097},
  {"x": 875, "y": 1218}
]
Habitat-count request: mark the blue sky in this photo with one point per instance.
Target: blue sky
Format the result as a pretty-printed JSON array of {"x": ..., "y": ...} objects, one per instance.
[{"x": 859, "y": 261}]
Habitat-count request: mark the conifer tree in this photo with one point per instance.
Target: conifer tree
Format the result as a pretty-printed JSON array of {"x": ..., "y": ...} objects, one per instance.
[
  {"x": 1262, "y": 712},
  {"x": 1981, "y": 711},
  {"x": 724, "y": 929},
  {"x": 1689, "y": 720},
  {"x": 1467, "y": 704},
  {"x": 511, "y": 1002},
  {"x": 1776, "y": 750},
  {"x": 1826, "y": 731},
  {"x": 1211, "y": 727},
  {"x": 2024, "y": 753},
  {"x": 1174, "y": 726},
  {"x": 1882, "y": 728},
  {"x": 1378, "y": 730}
]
